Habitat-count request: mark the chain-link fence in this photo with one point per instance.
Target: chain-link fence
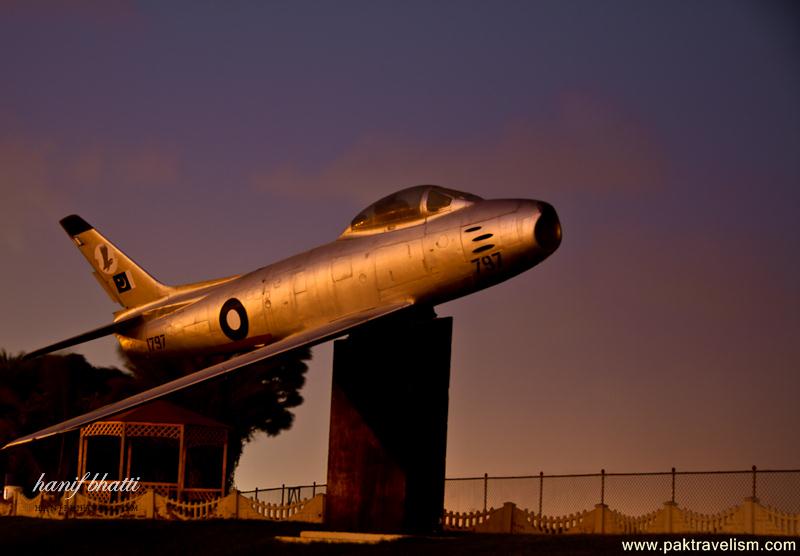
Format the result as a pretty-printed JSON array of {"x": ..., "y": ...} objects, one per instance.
[
  {"x": 284, "y": 494},
  {"x": 705, "y": 492}
]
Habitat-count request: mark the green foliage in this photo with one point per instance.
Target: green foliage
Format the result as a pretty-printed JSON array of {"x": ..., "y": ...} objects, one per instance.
[
  {"x": 256, "y": 398},
  {"x": 40, "y": 392}
]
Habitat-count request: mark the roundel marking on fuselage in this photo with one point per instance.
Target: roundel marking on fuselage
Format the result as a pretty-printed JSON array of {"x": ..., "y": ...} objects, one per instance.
[{"x": 233, "y": 319}]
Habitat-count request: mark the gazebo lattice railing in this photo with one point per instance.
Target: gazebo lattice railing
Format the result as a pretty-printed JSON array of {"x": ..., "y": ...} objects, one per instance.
[{"x": 195, "y": 431}]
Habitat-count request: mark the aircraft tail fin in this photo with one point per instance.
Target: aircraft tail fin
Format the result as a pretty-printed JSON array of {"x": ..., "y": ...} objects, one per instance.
[{"x": 121, "y": 278}]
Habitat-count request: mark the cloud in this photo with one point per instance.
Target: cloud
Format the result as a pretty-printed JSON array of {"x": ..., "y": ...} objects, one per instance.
[
  {"x": 143, "y": 166},
  {"x": 38, "y": 176},
  {"x": 93, "y": 12},
  {"x": 24, "y": 175},
  {"x": 584, "y": 145}
]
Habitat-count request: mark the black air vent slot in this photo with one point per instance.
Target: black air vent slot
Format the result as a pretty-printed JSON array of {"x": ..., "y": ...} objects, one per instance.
[
  {"x": 482, "y": 237},
  {"x": 473, "y": 229},
  {"x": 483, "y": 248}
]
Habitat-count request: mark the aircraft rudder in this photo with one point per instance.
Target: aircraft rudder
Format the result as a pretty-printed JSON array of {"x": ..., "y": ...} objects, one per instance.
[
  {"x": 74, "y": 225},
  {"x": 123, "y": 280}
]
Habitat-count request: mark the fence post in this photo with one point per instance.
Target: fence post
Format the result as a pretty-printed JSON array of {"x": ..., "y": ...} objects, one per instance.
[
  {"x": 541, "y": 494},
  {"x": 754, "y": 483},
  {"x": 313, "y": 489},
  {"x": 256, "y": 494},
  {"x": 602, "y": 501},
  {"x": 602, "y": 486},
  {"x": 283, "y": 491},
  {"x": 485, "y": 490},
  {"x": 673, "y": 485}
]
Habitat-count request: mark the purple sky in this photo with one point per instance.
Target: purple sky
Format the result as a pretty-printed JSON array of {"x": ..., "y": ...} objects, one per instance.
[{"x": 212, "y": 139}]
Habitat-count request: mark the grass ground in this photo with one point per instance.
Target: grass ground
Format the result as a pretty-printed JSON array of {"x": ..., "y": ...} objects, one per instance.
[{"x": 153, "y": 538}]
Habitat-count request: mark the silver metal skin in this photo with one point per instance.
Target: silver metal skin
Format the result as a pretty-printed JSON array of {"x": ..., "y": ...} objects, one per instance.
[
  {"x": 422, "y": 246},
  {"x": 428, "y": 263}
]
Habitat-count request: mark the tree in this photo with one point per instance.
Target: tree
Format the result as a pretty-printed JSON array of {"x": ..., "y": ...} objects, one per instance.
[
  {"x": 256, "y": 398},
  {"x": 40, "y": 392}
]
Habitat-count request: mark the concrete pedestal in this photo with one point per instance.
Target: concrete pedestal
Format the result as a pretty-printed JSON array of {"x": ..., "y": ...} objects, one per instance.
[{"x": 388, "y": 435}]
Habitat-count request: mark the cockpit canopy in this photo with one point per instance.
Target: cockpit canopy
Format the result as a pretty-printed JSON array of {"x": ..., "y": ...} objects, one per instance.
[{"x": 408, "y": 207}]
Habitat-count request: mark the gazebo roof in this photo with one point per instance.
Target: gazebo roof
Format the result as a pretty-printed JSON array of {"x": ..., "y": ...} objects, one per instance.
[{"x": 160, "y": 411}]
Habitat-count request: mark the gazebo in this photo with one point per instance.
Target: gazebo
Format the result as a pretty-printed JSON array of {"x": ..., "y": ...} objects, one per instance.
[{"x": 176, "y": 452}]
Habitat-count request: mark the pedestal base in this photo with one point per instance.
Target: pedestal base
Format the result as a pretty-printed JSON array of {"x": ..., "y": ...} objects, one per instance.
[{"x": 388, "y": 435}]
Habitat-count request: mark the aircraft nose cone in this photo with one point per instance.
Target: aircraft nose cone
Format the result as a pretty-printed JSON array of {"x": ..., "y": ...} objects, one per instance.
[{"x": 547, "y": 230}]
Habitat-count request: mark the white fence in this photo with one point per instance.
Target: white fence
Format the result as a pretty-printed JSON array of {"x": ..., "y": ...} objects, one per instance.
[
  {"x": 760, "y": 502},
  {"x": 750, "y": 517},
  {"x": 752, "y": 501},
  {"x": 151, "y": 505}
]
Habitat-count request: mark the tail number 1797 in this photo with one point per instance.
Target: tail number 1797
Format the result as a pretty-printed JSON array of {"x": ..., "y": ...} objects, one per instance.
[{"x": 156, "y": 343}]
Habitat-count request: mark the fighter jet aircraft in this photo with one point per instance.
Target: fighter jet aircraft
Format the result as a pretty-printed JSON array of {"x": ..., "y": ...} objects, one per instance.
[{"x": 419, "y": 247}]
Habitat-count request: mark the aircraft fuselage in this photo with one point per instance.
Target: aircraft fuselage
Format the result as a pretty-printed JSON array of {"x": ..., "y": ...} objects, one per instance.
[
  {"x": 436, "y": 261},
  {"x": 421, "y": 246}
]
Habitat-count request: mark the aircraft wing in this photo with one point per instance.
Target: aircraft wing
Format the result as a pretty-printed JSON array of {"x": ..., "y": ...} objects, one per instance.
[
  {"x": 115, "y": 327},
  {"x": 302, "y": 339}
]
